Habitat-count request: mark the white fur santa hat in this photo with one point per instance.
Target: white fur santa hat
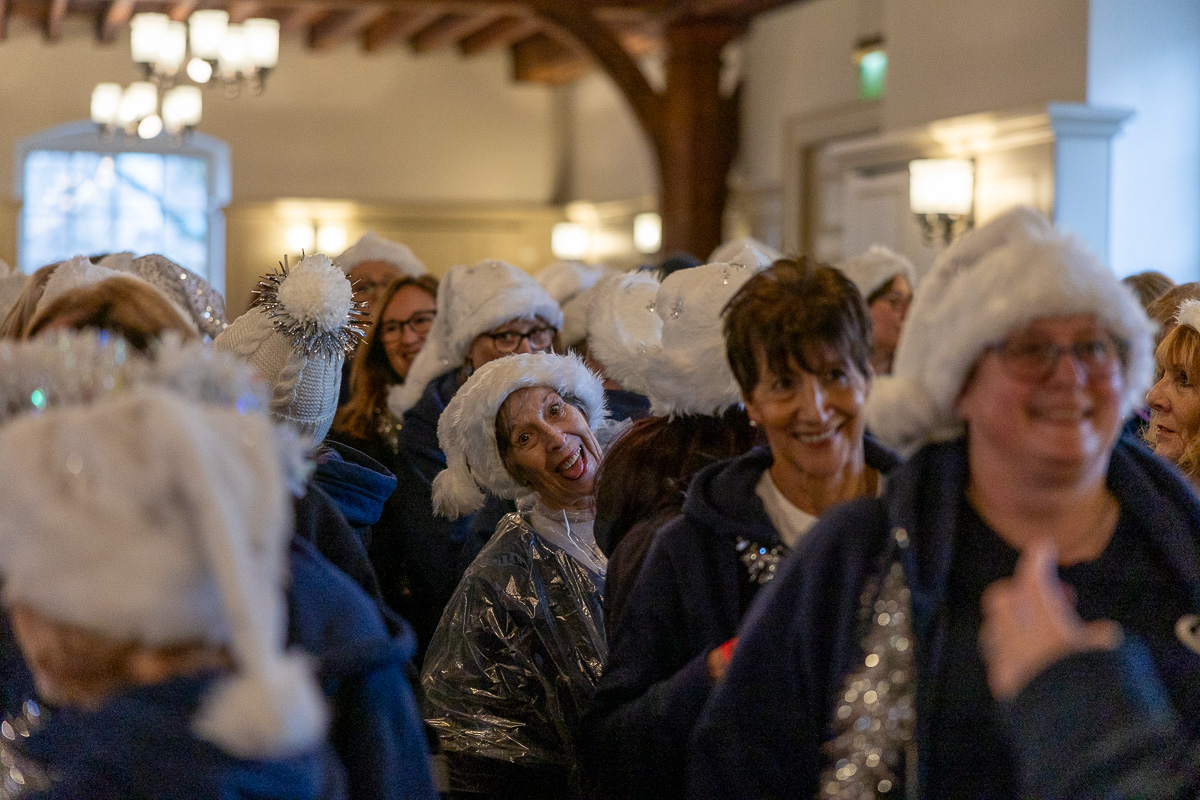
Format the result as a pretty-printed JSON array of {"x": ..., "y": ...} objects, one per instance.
[
  {"x": 76, "y": 272},
  {"x": 992, "y": 282},
  {"x": 745, "y": 249},
  {"x": 467, "y": 428},
  {"x": 139, "y": 512},
  {"x": 1188, "y": 314},
  {"x": 297, "y": 337},
  {"x": 373, "y": 247},
  {"x": 687, "y": 372},
  {"x": 570, "y": 284},
  {"x": 622, "y": 325},
  {"x": 470, "y": 301},
  {"x": 877, "y": 266}
]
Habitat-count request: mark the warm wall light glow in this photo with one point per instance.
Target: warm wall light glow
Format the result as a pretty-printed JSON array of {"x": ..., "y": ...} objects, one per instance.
[
  {"x": 647, "y": 232},
  {"x": 206, "y": 30},
  {"x": 300, "y": 237},
  {"x": 941, "y": 186},
  {"x": 570, "y": 240},
  {"x": 331, "y": 238},
  {"x": 106, "y": 102},
  {"x": 146, "y": 33}
]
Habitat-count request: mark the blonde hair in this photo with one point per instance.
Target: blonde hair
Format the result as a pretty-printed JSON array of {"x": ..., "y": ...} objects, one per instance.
[
  {"x": 17, "y": 320},
  {"x": 1180, "y": 350},
  {"x": 123, "y": 305}
]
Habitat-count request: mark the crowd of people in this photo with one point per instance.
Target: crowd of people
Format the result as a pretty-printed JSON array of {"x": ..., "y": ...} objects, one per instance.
[{"x": 757, "y": 527}]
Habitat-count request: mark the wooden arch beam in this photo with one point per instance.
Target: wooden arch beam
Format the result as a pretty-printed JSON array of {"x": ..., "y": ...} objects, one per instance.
[{"x": 115, "y": 17}]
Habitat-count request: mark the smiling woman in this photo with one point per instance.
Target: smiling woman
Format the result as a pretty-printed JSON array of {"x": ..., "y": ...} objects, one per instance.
[
  {"x": 1174, "y": 402},
  {"x": 519, "y": 648}
]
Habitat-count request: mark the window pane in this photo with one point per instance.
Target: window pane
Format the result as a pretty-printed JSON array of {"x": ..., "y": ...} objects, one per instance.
[{"x": 89, "y": 203}]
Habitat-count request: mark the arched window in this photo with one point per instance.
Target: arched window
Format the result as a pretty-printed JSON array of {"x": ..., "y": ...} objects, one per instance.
[{"x": 86, "y": 192}]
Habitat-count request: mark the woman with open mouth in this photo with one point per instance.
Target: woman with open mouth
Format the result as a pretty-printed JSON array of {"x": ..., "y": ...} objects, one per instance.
[
  {"x": 520, "y": 645},
  {"x": 797, "y": 341}
]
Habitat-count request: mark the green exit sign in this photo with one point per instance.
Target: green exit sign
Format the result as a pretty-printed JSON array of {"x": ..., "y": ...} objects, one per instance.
[{"x": 872, "y": 74}]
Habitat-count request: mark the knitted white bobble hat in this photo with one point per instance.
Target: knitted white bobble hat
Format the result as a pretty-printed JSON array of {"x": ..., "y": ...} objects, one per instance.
[
  {"x": 570, "y": 284},
  {"x": 153, "y": 519},
  {"x": 622, "y": 325},
  {"x": 990, "y": 283},
  {"x": 467, "y": 428},
  {"x": 745, "y": 250},
  {"x": 297, "y": 338},
  {"x": 687, "y": 371},
  {"x": 373, "y": 247},
  {"x": 470, "y": 301},
  {"x": 873, "y": 269}
]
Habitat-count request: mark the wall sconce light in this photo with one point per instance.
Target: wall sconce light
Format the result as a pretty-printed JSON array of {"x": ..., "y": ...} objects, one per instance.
[
  {"x": 301, "y": 237},
  {"x": 941, "y": 192},
  {"x": 570, "y": 241},
  {"x": 647, "y": 233}
]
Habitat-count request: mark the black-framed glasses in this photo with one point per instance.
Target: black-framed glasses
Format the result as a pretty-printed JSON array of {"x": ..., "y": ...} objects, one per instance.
[
  {"x": 1033, "y": 361},
  {"x": 510, "y": 341},
  {"x": 420, "y": 323}
]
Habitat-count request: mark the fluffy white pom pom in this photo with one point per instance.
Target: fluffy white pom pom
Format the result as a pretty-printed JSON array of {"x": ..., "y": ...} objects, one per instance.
[
  {"x": 901, "y": 413},
  {"x": 455, "y": 493},
  {"x": 318, "y": 293}
]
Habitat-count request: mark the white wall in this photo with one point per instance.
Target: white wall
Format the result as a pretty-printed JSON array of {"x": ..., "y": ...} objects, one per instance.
[
  {"x": 389, "y": 127},
  {"x": 1146, "y": 56},
  {"x": 945, "y": 58},
  {"x": 611, "y": 159}
]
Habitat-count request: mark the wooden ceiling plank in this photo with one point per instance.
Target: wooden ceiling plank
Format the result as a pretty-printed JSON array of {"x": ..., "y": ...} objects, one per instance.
[
  {"x": 503, "y": 32},
  {"x": 733, "y": 9},
  {"x": 242, "y": 10},
  {"x": 300, "y": 17},
  {"x": 55, "y": 15},
  {"x": 115, "y": 17},
  {"x": 542, "y": 58},
  {"x": 448, "y": 30},
  {"x": 3, "y": 20},
  {"x": 342, "y": 25},
  {"x": 397, "y": 24},
  {"x": 180, "y": 10}
]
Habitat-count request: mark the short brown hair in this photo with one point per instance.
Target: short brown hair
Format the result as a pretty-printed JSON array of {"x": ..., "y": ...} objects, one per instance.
[
  {"x": 1163, "y": 309},
  {"x": 121, "y": 304},
  {"x": 1148, "y": 286},
  {"x": 794, "y": 304}
]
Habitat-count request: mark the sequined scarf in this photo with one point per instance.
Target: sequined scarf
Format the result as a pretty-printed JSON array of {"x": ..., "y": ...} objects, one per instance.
[
  {"x": 874, "y": 718},
  {"x": 19, "y": 774}
]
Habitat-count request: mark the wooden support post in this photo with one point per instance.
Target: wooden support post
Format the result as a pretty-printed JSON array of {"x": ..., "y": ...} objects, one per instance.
[
  {"x": 698, "y": 138},
  {"x": 55, "y": 15}
]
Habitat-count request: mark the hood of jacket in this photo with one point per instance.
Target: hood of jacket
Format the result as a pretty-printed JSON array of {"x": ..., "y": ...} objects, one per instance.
[
  {"x": 356, "y": 483},
  {"x": 419, "y": 433},
  {"x": 722, "y": 498}
]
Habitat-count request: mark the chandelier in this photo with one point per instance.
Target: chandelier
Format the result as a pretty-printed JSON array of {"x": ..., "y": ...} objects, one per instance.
[
  {"x": 135, "y": 109},
  {"x": 208, "y": 48}
]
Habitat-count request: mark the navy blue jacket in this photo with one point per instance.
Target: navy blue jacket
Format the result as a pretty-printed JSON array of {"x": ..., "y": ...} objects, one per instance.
[
  {"x": 762, "y": 730},
  {"x": 139, "y": 746},
  {"x": 376, "y": 729},
  {"x": 1099, "y": 724},
  {"x": 624, "y": 404},
  {"x": 358, "y": 484},
  {"x": 690, "y": 597},
  {"x": 419, "y": 556}
]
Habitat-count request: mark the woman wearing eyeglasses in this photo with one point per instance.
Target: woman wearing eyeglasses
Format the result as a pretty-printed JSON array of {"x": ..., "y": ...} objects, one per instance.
[
  {"x": 482, "y": 312},
  {"x": 860, "y": 671},
  {"x": 886, "y": 280}
]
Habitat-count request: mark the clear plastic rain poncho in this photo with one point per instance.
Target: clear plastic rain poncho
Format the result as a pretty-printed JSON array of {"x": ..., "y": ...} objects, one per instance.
[{"x": 517, "y": 654}]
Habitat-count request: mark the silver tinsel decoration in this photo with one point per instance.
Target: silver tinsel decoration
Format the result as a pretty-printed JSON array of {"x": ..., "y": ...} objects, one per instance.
[
  {"x": 873, "y": 719},
  {"x": 19, "y": 774},
  {"x": 304, "y": 336}
]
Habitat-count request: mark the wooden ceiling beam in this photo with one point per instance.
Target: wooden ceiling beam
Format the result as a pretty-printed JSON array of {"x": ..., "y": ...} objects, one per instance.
[
  {"x": 732, "y": 9},
  {"x": 55, "y": 14},
  {"x": 242, "y": 10},
  {"x": 300, "y": 17},
  {"x": 503, "y": 32},
  {"x": 3, "y": 20},
  {"x": 115, "y": 17},
  {"x": 394, "y": 25},
  {"x": 180, "y": 10},
  {"x": 543, "y": 58},
  {"x": 341, "y": 25},
  {"x": 449, "y": 29}
]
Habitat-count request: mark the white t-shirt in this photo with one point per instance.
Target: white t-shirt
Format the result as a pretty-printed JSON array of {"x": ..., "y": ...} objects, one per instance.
[{"x": 791, "y": 522}]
